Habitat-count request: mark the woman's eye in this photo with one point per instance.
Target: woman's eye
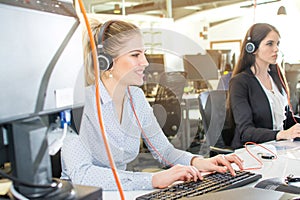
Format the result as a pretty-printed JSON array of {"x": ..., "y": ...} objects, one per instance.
[{"x": 135, "y": 55}]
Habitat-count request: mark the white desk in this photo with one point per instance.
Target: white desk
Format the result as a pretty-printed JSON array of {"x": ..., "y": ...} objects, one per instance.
[{"x": 288, "y": 162}]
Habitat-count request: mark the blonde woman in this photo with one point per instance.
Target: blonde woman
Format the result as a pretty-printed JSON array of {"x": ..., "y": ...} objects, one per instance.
[{"x": 84, "y": 160}]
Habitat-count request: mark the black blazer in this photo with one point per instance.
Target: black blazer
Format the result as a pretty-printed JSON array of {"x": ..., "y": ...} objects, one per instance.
[{"x": 251, "y": 110}]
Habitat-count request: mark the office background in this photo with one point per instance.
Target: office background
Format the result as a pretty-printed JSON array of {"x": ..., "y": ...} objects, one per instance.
[{"x": 24, "y": 64}]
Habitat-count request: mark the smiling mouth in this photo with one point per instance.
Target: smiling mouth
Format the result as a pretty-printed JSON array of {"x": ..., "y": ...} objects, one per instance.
[{"x": 140, "y": 72}]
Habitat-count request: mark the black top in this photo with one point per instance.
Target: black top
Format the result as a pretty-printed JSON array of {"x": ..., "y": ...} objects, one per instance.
[{"x": 251, "y": 110}]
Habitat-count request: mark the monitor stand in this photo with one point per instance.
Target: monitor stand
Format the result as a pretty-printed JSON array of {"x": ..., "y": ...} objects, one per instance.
[
  {"x": 31, "y": 165},
  {"x": 68, "y": 191}
]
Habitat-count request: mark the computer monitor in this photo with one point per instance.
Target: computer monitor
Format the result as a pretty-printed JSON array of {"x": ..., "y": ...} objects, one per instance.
[
  {"x": 41, "y": 54},
  {"x": 152, "y": 73},
  {"x": 222, "y": 58},
  {"x": 200, "y": 69},
  {"x": 156, "y": 66},
  {"x": 4, "y": 151}
]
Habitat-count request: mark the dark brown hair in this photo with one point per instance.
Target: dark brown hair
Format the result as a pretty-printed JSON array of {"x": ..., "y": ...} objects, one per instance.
[{"x": 255, "y": 34}]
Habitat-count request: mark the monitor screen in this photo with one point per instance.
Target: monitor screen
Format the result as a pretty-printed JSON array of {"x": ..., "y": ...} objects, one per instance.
[
  {"x": 222, "y": 58},
  {"x": 41, "y": 56},
  {"x": 200, "y": 67},
  {"x": 41, "y": 62},
  {"x": 155, "y": 68}
]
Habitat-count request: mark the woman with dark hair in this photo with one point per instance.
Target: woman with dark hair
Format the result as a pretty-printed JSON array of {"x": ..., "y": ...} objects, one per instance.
[{"x": 258, "y": 93}]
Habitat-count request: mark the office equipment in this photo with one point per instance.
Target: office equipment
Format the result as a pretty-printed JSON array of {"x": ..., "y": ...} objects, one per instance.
[
  {"x": 45, "y": 56},
  {"x": 169, "y": 96},
  {"x": 31, "y": 164},
  {"x": 221, "y": 57},
  {"x": 155, "y": 68},
  {"x": 212, "y": 106},
  {"x": 152, "y": 73},
  {"x": 200, "y": 66},
  {"x": 212, "y": 183},
  {"x": 278, "y": 184},
  {"x": 200, "y": 69},
  {"x": 246, "y": 193},
  {"x": 287, "y": 163},
  {"x": 4, "y": 158},
  {"x": 81, "y": 192},
  {"x": 292, "y": 72}
]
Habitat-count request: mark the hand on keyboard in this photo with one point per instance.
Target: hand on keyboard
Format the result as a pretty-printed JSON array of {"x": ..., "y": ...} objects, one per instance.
[
  {"x": 211, "y": 183},
  {"x": 176, "y": 173},
  {"x": 219, "y": 163}
]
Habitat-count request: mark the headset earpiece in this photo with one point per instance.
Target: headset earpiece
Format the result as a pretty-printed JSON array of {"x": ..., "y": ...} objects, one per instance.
[
  {"x": 105, "y": 61},
  {"x": 250, "y": 47}
]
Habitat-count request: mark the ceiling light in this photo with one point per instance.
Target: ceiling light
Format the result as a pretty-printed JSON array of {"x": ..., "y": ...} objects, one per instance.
[
  {"x": 192, "y": 7},
  {"x": 117, "y": 9}
]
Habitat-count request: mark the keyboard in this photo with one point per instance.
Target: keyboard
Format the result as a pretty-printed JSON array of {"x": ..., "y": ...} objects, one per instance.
[{"x": 211, "y": 183}]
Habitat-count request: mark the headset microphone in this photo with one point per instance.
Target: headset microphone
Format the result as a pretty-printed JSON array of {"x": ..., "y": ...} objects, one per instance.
[{"x": 105, "y": 60}]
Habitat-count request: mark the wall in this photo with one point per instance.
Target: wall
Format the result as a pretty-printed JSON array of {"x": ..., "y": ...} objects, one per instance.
[{"x": 242, "y": 19}]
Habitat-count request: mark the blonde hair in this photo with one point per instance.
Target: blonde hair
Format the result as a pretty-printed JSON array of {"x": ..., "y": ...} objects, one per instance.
[{"x": 115, "y": 37}]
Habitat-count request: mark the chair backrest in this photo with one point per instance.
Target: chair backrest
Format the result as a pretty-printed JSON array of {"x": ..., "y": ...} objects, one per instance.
[
  {"x": 76, "y": 118},
  {"x": 167, "y": 108},
  {"x": 212, "y": 105}
]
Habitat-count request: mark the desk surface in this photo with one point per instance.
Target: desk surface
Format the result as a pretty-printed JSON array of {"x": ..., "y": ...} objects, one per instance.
[{"x": 288, "y": 162}]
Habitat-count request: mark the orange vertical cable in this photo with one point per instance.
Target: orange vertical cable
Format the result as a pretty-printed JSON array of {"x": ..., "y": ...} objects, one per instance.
[{"x": 95, "y": 61}]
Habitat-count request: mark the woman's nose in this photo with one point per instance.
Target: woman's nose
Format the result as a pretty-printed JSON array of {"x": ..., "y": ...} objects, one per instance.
[{"x": 144, "y": 61}]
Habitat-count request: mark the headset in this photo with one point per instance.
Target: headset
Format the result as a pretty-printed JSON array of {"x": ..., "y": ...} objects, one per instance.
[
  {"x": 105, "y": 60},
  {"x": 250, "y": 47}
]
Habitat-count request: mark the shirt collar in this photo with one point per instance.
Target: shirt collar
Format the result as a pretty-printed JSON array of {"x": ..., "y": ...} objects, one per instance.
[{"x": 104, "y": 95}]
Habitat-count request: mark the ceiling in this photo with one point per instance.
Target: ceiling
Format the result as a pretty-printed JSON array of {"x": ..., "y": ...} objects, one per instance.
[{"x": 164, "y": 8}]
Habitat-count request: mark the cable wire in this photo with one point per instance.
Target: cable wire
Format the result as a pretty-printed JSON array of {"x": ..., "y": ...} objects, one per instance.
[
  {"x": 255, "y": 157},
  {"x": 27, "y": 184},
  {"x": 97, "y": 96},
  {"x": 47, "y": 188},
  {"x": 145, "y": 136}
]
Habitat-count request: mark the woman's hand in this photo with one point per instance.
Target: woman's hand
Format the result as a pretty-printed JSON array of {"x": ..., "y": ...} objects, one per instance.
[
  {"x": 290, "y": 133},
  {"x": 219, "y": 163},
  {"x": 176, "y": 173}
]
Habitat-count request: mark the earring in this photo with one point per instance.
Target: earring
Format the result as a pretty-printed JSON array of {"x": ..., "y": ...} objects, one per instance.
[{"x": 110, "y": 75}]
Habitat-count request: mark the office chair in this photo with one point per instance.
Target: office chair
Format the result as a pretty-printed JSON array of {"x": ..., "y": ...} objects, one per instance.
[
  {"x": 167, "y": 104},
  {"x": 212, "y": 106},
  {"x": 293, "y": 77}
]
